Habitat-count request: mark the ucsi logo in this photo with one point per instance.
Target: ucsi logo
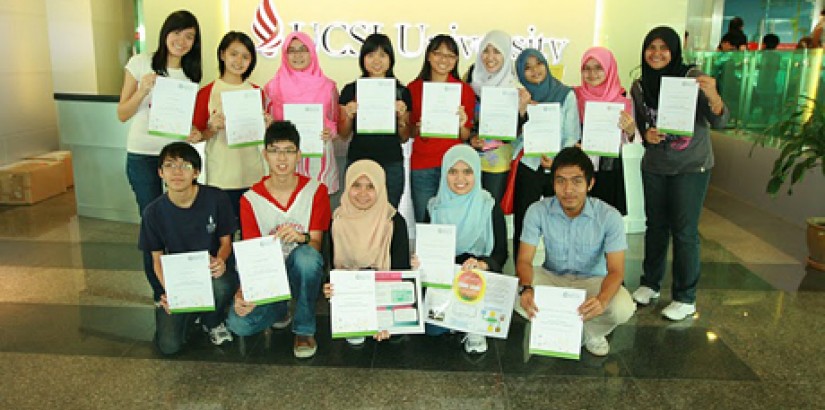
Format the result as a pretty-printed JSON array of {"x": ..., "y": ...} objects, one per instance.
[{"x": 266, "y": 27}]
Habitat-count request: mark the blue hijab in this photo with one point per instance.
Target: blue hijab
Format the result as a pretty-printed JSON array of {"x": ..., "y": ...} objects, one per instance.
[
  {"x": 471, "y": 213},
  {"x": 550, "y": 90}
]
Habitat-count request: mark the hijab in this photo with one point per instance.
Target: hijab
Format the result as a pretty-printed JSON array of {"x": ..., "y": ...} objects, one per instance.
[
  {"x": 550, "y": 90},
  {"x": 308, "y": 86},
  {"x": 610, "y": 90},
  {"x": 504, "y": 77},
  {"x": 361, "y": 238},
  {"x": 471, "y": 213},
  {"x": 651, "y": 78}
]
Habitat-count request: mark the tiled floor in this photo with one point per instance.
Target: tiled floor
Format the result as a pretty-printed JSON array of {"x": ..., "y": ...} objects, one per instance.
[{"x": 76, "y": 323}]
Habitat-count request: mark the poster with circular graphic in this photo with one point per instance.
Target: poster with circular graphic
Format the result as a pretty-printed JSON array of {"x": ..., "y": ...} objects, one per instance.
[{"x": 470, "y": 286}]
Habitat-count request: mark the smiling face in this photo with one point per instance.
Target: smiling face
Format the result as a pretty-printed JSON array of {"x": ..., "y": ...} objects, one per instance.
[
  {"x": 657, "y": 54},
  {"x": 535, "y": 71},
  {"x": 377, "y": 63},
  {"x": 282, "y": 158},
  {"x": 362, "y": 193},
  {"x": 298, "y": 55},
  {"x": 442, "y": 61},
  {"x": 460, "y": 178},
  {"x": 593, "y": 73},
  {"x": 571, "y": 187},
  {"x": 236, "y": 59},
  {"x": 180, "y": 42},
  {"x": 179, "y": 175},
  {"x": 492, "y": 58}
]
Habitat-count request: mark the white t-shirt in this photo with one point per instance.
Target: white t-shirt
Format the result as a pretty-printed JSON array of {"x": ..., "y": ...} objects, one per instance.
[{"x": 139, "y": 141}]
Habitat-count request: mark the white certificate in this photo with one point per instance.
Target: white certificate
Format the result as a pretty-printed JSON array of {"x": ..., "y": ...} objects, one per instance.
[
  {"x": 439, "y": 110},
  {"x": 353, "y": 311},
  {"x": 478, "y": 302},
  {"x": 399, "y": 302},
  {"x": 244, "y": 117},
  {"x": 309, "y": 120},
  {"x": 435, "y": 248},
  {"x": 556, "y": 330},
  {"x": 188, "y": 282},
  {"x": 499, "y": 113},
  {"x": 172, "y": 107},
  {"x": 601, "y": 134},
  {"x": 376, "y": 105},
  {"x": 261, "y": 270},
  {"x": 677, "y": 106},
  {"x": 542, "y": 132}
]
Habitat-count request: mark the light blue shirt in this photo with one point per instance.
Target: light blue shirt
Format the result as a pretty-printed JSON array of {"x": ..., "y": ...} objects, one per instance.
[{"x": 575, "y": 245}]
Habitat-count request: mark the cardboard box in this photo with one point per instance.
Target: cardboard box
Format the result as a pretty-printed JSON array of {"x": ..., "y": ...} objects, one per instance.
[
  {"x": 63, "y": 157},
  {"x": 31, "y": 181}
]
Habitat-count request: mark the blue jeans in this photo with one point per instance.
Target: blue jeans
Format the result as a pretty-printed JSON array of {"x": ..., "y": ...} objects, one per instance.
[
  {"x": 673, "y": 204},
  {"x": 142, "y": 172},
  {"x": 304, "y": 268},
  {"x": 171, "y": 329},
  {"x": 424, "y": 185}
]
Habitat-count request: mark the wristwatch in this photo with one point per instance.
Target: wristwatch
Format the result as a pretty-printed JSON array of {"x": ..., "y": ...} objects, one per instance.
[
  {"x": 307, "y": 237},
  {"x": 523, "y": 288}
]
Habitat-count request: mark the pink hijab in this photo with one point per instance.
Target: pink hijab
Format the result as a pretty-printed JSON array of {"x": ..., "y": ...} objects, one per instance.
[
  {"x": 309, "y": 86},
  {"x": 610, "y": 90}
]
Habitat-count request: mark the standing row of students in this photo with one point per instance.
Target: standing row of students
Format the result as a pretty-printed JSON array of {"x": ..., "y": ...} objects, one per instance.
[{"x": 673, "y": 167}]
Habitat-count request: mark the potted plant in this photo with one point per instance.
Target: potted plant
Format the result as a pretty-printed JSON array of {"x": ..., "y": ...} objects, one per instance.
[{"x": 800, "y": 138}]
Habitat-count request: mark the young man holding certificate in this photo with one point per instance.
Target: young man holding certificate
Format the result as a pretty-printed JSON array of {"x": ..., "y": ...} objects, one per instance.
[
  {"x": 295, "y": 209},
  {"x": 584, "y": 242},
  {"x": 188, "y": 218}
]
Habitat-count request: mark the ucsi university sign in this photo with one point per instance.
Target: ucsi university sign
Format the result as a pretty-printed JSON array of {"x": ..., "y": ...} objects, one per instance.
[{"x": 268, "y": 29}]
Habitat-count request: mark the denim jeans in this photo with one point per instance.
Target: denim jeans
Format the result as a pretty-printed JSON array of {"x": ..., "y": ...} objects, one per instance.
[
  {"x": 424, "y": 185},
  {"x": 142, "y": 172},
  {"x": 394, "y": 179},
  {"x": 673, "y": 204},
  {"x": 171, "y": 329},
  {"x": 304, "y": 268}
]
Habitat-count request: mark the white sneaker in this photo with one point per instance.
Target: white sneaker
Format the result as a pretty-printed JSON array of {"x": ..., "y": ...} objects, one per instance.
[
  {"x": 643, "y": 295},
  {"x": 283, "y": 324},
  {"x": 474, "y": 343},
  {"x": 597, "y": 346},
  {"x": 356, "y": 341},
  {"x": 677, "y": 311},
  {"x": 219, "y": 335}
]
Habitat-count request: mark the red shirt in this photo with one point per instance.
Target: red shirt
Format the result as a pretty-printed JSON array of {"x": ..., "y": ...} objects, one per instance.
[
  {"x": 428, "y": 152},
  {"x": 319, "y": 218}
]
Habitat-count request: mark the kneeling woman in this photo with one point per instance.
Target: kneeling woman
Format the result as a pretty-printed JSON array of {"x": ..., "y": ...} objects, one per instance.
[
  {"x": 481, "y": 233},
  {"x": 367, "y": 232}
]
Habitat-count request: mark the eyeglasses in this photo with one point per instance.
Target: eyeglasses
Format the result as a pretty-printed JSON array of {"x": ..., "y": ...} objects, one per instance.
[
  {"x": 445, "y": 56},
  {"x": 299, "y": 50},
  {"x": 171, "y": 166},
  {"x": 288, "y": 152}
]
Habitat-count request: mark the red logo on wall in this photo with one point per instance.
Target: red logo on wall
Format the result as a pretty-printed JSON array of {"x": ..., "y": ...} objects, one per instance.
[{"x": 267, "y": 29}]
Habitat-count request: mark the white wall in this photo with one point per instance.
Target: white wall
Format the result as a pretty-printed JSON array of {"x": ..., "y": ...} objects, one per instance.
[{"x": 27, "y": 111}]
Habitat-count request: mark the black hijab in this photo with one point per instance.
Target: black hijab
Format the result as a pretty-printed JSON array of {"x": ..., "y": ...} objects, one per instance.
[{"x": 651, "y": 79}]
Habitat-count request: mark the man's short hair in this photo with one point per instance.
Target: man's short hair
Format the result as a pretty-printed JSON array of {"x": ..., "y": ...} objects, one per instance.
[
  {"x": 180, "y": 150},
  {"x": 282, "y": 131},
  {"x": 770, "y": 41},
  {"x": 573, "y": 156}
]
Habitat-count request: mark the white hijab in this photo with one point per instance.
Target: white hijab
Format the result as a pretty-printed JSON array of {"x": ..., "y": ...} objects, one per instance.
[{"x": 505, "y": 77}]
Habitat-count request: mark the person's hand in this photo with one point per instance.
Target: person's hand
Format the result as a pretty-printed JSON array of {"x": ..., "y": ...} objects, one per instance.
[
  {"x": 382, "y": 335},
  {"x": 591, "y": 308},
  {"x": 326, "y": 134},
  {"x": 242, "y": 307},
  {"x": 708, "y": 86},
  {"x": 652, "y": 136},
  {"x": 400, "y": 108},
  {"x": 217, "y": 266},
  {"x": 528, "y": 303},
  {"x": 415, "y": 263},
  {"x": 147, "y": 82},
  {"x": 267, "y": 119},
  {"x": 462, "y": 116},
  {"x": 473, "y": 263},
  {"x": 627, "y": 124},
  {"x": 217, "y": 121},
  {"x": 476, "y": 142},
  {"x": 327, "y": 290},
  {"x": 350, "y": 109},
  {"x": 546, "y": 162},
  {"x": 164, "y": 303},
  {"x": 195, "y": 136},
  {"x": 288, "y": 234},
  {"x": 524, "y": 99}
]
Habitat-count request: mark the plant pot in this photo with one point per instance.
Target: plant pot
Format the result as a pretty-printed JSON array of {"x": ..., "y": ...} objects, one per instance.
[{"x": 816, "y": 243}]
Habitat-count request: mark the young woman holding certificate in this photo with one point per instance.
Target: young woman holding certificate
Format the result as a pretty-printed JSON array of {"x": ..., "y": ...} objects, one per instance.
[
  {"x": 377, "y": 60},
  {"x": 675, "y": 171},
  {"x": 481, "y": 233},
  {"x": 367, "y": 231},
  {"x": 300, "y": 80},
  {"x": 440, "y": 66},
  {"x": 600, "y": 83},
  {"x": 231, "y": 168},
  {"x": 178, "y": 56},
  {"x": 533, "y": 179}
]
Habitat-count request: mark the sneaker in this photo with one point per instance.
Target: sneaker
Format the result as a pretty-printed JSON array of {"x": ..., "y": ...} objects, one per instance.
[
  {"x": 597, "y": 346},
  {"x": 677, "y": 311},
  {"x": 304, "y": 347},
  {"x": 283, "y": 324},
  {"x": 474, "y": 343},
  {"x": 219, "y": 335},
  {"x": 356, "y": 341},
  {"x": 643, "y": 295}
]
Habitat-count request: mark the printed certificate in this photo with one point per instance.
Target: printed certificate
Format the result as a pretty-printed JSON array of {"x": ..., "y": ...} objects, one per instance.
[
  {"x": 353, "y": 309},
  {"x": 556, "y": 330},
  {"x": 499, "y": 113},
  {"x": 261, "y": 270},
  {"x": 309, "y": 120},
  {"x": 376, "y": 105},
  {"x": 172, "y": 107},
  {"x": 245, "y": 124},
  {"x": 439, "y": 110},
  {"x": 435, "y": 248},
  {"x": 542, "y": 131},
  {"x": 677, "y": 106},
  {"x": 188, "y": 282},
  {"x": 601, "y": 134}
]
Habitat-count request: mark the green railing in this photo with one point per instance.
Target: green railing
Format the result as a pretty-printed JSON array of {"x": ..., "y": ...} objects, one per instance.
[{"x": 759, "y": 87}]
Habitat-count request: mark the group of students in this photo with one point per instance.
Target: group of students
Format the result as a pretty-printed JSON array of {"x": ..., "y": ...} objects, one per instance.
[{"x": 276, "y": 191}]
